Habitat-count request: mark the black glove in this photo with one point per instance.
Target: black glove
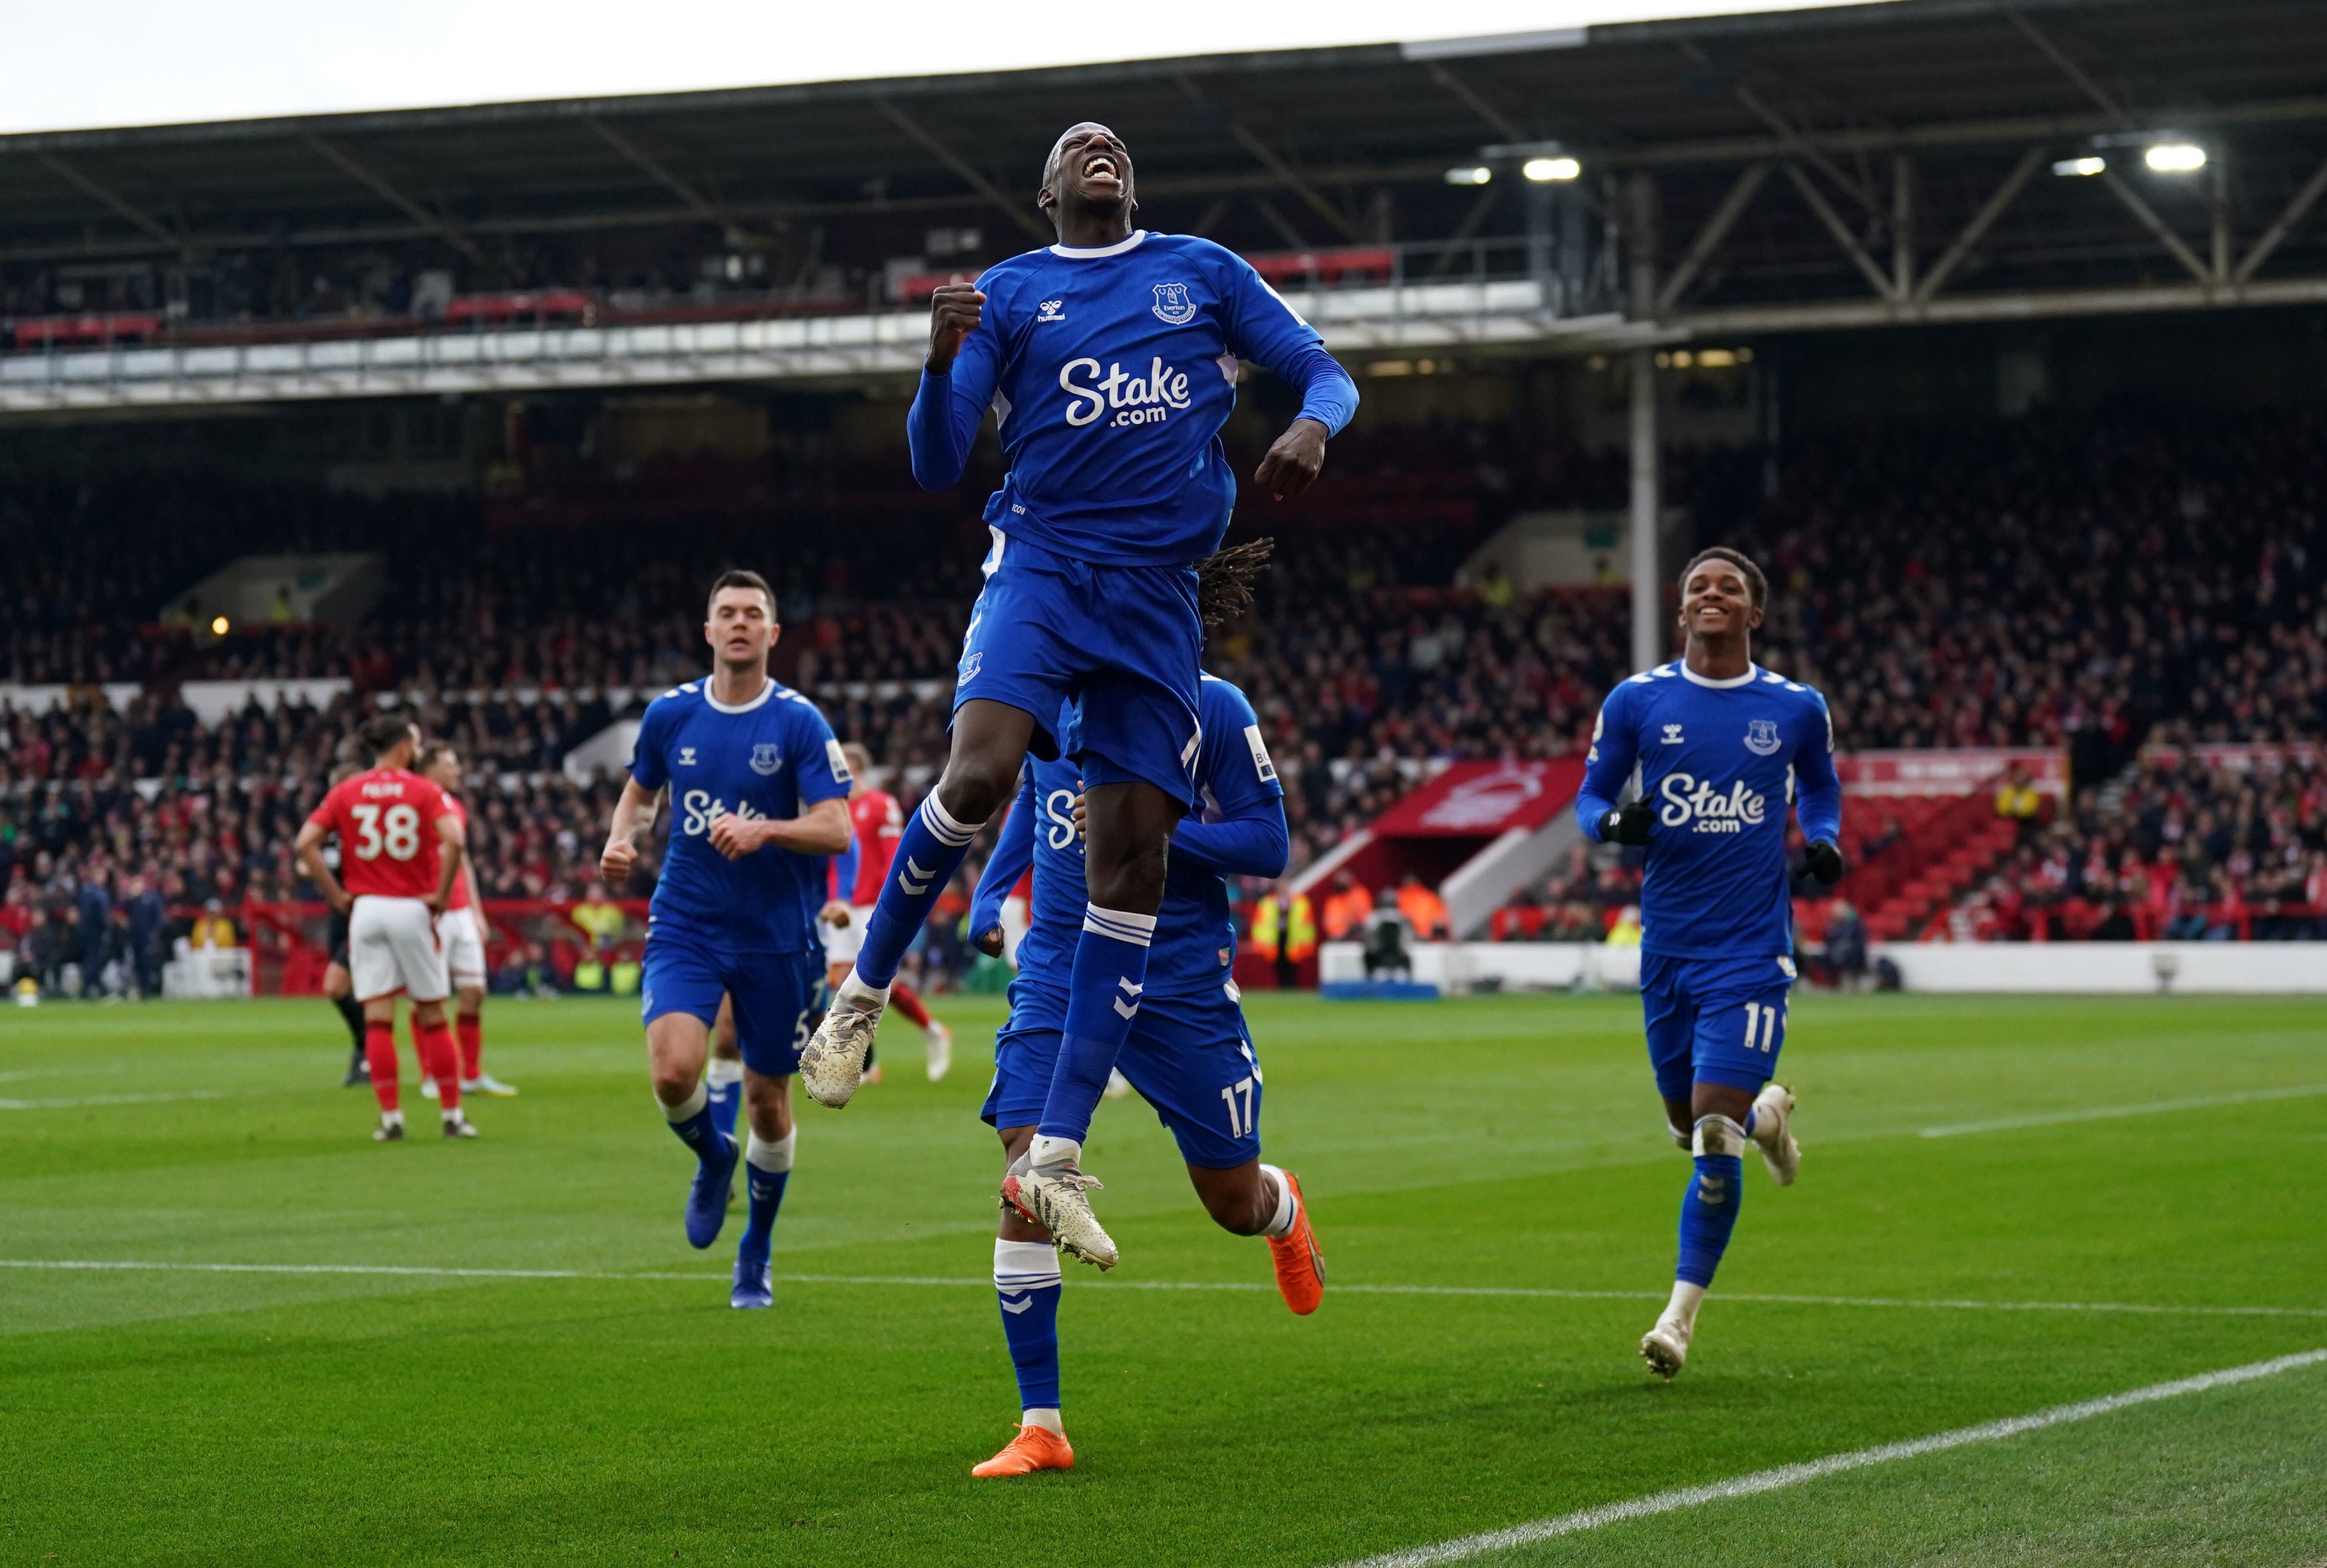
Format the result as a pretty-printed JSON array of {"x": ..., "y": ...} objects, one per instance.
[
  {"x": 1823, "y": 861},
  {"x": 1627, "y": 824}
]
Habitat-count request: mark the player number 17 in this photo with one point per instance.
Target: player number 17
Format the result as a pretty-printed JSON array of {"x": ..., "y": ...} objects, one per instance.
[
  {"x": 1239, "y": 1116},
  {"x": 1765, "y": 1018}
]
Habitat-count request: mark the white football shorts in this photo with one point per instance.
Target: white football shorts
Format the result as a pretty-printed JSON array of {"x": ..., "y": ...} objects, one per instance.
[
  {"x": 392, "y": 946},
  {"x": 843, "y": 943},
  {"x": 462, "y": 934}
]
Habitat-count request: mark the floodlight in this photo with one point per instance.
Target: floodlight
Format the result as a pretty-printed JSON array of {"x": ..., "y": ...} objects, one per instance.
[
  {"x": 2073, "y": 167},
  {"x": 1542, "y": 169},
  {"x": 1474, "y": 174},
  {"x": 2175, "y": 157}
]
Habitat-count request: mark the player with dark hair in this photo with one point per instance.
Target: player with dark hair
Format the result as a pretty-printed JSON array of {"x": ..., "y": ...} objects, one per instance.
[
  {"x": 400, "y": 852},
  {"x": 758, "y": 789},
  {"x": 1188, "y": 1052},
  {"x": 1111, "y": 360},
  {"x": 1723, "y": 747}
]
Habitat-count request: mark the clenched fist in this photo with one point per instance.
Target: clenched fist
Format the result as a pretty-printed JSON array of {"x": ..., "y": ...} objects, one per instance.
[{"x": 955, "y": 311}]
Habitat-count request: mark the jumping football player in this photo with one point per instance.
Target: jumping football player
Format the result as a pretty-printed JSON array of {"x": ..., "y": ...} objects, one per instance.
[
  {"x": 1111, "y": 360},
  {"x": 1723, "y": 747},
  {"x": 1188, "y": 1052},
  {"x": 400, "y": 851},
  {"x": 461, "y": 929},
  {"x": 878, "y": 822},
  {"x": 758, "y": 789}
]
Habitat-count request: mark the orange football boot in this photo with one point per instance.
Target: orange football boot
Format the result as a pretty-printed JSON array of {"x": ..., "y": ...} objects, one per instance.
[
  {"x": 1300, "y": 1266},
  {"x": 1033, "y": 1449}
]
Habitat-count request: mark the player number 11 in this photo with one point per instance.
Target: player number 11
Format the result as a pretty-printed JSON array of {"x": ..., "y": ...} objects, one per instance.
[{"x": 1763, "y": 1017}]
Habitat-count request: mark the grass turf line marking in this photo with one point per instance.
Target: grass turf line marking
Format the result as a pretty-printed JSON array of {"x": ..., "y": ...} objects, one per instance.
[
  {"x": 1521, "y": 1292},
  {"x": 2107, "y": 1112},
  {"x": 1770, "y": 1480},
  {"x": 152, "y": 1099}
]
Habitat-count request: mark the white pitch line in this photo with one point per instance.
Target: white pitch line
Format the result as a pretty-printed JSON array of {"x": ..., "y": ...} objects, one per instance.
[
  {"x": 1770, "y": 1480},
  {"x": 2108, "y": 1113},
  {"x": 111, "y": 1100},
  {"x": 966, "y": 1283}
]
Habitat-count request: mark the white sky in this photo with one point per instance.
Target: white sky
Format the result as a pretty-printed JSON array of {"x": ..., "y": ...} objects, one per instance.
[{"x": 78, "y": 63}]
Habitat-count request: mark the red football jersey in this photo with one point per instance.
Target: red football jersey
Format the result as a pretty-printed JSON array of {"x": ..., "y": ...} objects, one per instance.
[
  {"x": 387, "y": 823},
  {"x": 460, "y": 899},
  {"x": 878, "y": 823}
]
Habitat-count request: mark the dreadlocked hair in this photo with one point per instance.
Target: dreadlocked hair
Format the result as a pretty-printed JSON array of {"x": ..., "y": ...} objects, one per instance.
[{"x": 1224, "y": 579}]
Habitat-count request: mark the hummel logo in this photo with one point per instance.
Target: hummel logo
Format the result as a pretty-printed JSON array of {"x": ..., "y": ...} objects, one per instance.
[
  {"x": 905, "y": 878},
  {"x": 1133, "y": 1010},
  {"x": 1672, "y": 735},
  {"x": 686, "y": 756},
  {"x": 1020, "y": 1305},
  {"x": 1050, "y": 311}
]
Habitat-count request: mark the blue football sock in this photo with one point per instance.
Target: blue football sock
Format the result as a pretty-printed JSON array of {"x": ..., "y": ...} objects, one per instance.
[
  {"x": 767, "y": 1170},
  {"x": 1708, "y": 1213},
  {"x": 1026, "y": 1279},
  {"x": 1103, "y": 995},
  {"x": 928, "y": 852},
  {"x": 725, "y": 1081},
  {"x": 691, "y": 1119}
]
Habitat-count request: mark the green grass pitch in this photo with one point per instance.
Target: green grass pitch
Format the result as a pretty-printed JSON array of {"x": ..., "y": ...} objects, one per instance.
[{"x": 1499, "y": 1145}]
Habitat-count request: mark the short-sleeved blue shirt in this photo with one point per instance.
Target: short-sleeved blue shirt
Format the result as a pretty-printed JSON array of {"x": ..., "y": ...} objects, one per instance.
[{"x": 773, "y": 757}]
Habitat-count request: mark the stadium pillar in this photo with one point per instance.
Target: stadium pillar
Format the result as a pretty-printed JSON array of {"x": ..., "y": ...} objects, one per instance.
[{"x": 1649, "y": 637}]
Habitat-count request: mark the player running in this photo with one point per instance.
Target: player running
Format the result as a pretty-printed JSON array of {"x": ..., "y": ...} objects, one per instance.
[
  {"x": 1111, "y": 360},
  {"x": 400, "y": 851},
  {"x": 876, "y": 822},
  {"x": 757, "y": 784},
  {"x": 461, "y": 930},
  {"x": 1722, "y": 747},
  {"x": 1188, "y": 1052}
]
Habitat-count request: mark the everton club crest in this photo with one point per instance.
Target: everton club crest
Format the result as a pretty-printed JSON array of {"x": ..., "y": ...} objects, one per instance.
[
  {"x": 1762, "y": 737},
  {"x": 1173, "y": 304},
  {"x": 766, "y": 758}
]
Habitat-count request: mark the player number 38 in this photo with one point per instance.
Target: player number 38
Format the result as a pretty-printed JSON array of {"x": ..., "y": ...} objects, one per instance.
[{"x": 396, "y": 830}]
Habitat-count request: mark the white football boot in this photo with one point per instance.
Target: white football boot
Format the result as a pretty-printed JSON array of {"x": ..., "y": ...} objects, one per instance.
[
  {"x": 832, "y": 1065},
  {"x": 1773, "y": 1130},
  {"x": 1053, "y": 1197},
  {"x": 1665, "y": 1347},
  {"x": 940, "y": 1052}
]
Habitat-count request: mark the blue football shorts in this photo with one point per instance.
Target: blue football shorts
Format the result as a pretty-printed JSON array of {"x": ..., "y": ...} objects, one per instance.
[
  {"x": 779, "y": 996},
  {"x": 1719, "y": 1021},
  {"x": 1106, "y": 657},
  {"x": 1190, "y": 1056}
]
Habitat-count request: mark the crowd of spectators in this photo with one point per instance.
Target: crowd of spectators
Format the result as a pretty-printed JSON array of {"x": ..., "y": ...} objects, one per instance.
[{"x": 2185, "y": 849}]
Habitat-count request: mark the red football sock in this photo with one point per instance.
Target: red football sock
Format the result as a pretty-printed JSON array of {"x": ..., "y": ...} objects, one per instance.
[
  {"x": 472, "y": 1047},
  {"x": 379, "y": 1055},
  {"x": 901, "y": 998},
  {"x": 440, "y": 1058}
]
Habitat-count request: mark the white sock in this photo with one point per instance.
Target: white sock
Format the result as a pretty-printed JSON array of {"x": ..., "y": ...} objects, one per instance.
[
  {"x": 723, "y": 1074},
  {"x": 1049, "y": 1151},
  {"x": 688, "y": 1106},
  {"x": 1048, "y": 1420},
  {"x": 1682, "y": 1309},
  {"x": 453, "y": 1118},
  {"x": 863, "y": 997},
  {"x": 391, "y": 1119},
  {"x": 1288, "y": 1208},
  {"x": 773, "y": 1158}
]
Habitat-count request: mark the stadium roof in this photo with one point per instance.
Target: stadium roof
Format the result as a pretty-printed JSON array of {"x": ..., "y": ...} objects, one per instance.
[{"x": 1337, "y": 145}]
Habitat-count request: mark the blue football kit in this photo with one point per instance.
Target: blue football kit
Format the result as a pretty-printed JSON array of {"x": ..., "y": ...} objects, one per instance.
[
  {"x": 1111, "y": 370},
  {"x": 1720, "y": 760},
  {"x": 745, "y": 928},
  {"x": 1189, "y": 1052}
]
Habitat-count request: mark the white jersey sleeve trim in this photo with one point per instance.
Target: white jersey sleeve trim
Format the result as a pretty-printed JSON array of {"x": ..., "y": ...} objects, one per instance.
[
  {"x": 1093, "y": 252},
  {"x": 1753, "y": 673}
]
